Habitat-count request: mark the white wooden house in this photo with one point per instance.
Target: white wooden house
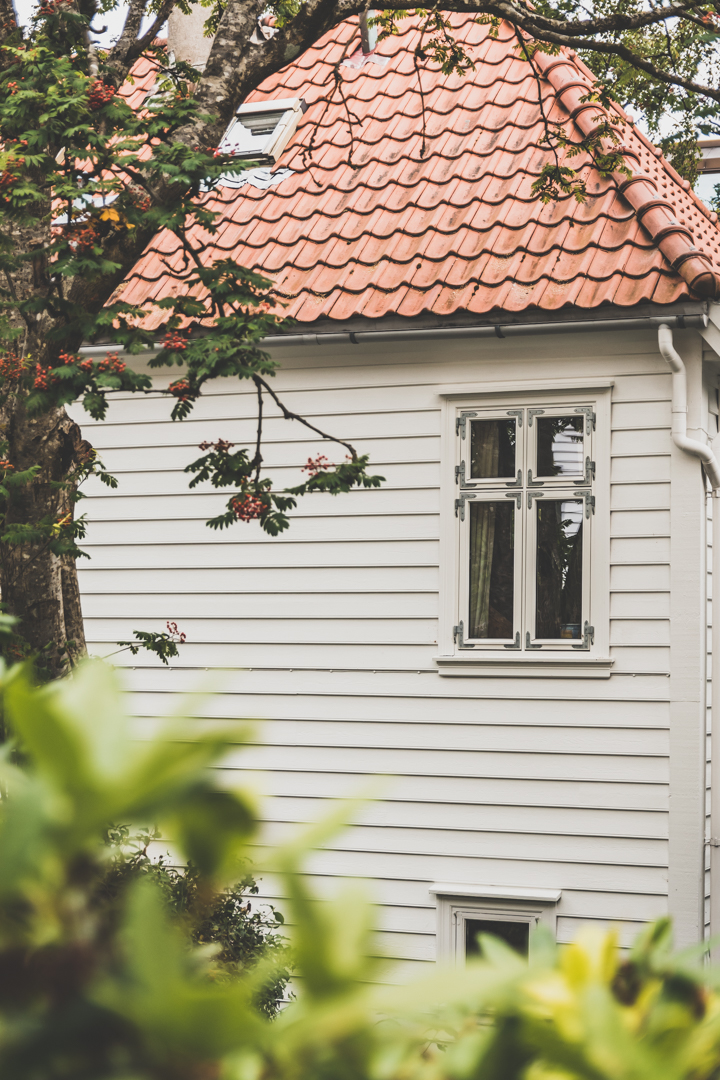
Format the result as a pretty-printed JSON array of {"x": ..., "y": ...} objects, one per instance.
[{"x": 513, "y": 630}]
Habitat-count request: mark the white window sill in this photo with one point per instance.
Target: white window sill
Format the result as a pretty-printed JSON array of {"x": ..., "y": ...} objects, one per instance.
[{"x": 555, "y": 666}]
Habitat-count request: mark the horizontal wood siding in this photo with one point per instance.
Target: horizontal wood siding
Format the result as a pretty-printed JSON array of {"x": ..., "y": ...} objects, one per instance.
[{"x": 327, "y": 635}]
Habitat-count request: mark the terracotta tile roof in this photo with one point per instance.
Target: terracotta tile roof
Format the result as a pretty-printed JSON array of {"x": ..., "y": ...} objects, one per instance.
[{"x": 368, "y": 225}]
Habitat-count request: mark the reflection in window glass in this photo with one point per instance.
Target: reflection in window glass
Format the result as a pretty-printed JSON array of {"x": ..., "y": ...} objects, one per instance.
[
  {"x": 559, "y": 568},
  {"x": 492, "y": 448},
  {"x": 560, "y": 445},
  {"x": 515, "y": 934},
  {"x": 492, "y": 570}
]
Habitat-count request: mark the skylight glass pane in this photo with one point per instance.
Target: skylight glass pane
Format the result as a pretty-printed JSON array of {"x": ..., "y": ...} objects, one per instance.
[
  {"x": 558, "y": 598},
  {"x": 261, "y": 123},
  {"x": 249, "y": 134},
  {"x": 492, "y": 569}
]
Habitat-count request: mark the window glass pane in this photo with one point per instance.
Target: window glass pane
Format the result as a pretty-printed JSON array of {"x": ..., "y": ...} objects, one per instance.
[
  {"x": 492, "y": 448},
  {"x": 263, "y": 123},
  {"x": 560, "y": 445},
  {"x": 559, "y": 568},
  {"x": 492, "y": 569},
  {"x": 515, "y": 934}
]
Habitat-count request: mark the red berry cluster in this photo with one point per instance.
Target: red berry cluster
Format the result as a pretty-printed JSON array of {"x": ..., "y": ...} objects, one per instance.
[
  {"x": 112, "y": 362},
  {"x": 84, "y": 238},
  {"x": 175, "y": 342},
  {"x": 43, "y": 378},
  {"x": 99, "y": 93},
  {"x": 10, "y": 175},
  {"x": 11, "y": 367},
  {"x": 317, "y": 465},
  {"x": 222, "y": 446},
  {"x": 181, "y": 390},
  {"x": 175, "y": 633},
  {"x": 73, "y": 358},
  {"x": 247, "y": 507}
]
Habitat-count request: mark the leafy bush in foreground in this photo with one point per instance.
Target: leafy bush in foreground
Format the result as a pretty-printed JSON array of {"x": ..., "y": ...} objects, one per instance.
[
  {"x": 226, "y": 919},
  {"x": 112, "y": 989}
]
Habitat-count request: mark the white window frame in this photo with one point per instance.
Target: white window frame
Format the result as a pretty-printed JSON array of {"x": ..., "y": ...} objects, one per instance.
[
  {"x": 530, "y": 597},
  {"x": 556, "y": 658},
  {"x": 464, "y": 557},
  {"x": 457, "y": 903}
]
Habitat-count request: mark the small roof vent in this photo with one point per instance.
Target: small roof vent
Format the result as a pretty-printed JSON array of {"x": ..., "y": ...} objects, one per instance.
[{"x": 261, "y": 130}]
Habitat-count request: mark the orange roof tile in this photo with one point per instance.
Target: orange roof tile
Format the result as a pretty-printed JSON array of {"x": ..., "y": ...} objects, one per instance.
[{"x": 396, "y": 231}]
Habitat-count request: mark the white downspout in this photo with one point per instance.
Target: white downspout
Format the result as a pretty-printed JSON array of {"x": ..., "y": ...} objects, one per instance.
[
  {"x": 679, "y": 410},
  {"x": 712, "y": 470}
]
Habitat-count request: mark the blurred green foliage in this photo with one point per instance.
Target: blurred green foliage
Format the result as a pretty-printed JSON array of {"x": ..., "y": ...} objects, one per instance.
[{"x": 100, "y": 979}]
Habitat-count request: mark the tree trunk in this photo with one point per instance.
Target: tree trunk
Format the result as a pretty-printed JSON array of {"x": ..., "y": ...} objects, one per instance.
[{"x": 39, "y": 586}]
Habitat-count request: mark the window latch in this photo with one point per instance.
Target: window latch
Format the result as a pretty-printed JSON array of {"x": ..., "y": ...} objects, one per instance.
[{"x": 588, "y": 637}]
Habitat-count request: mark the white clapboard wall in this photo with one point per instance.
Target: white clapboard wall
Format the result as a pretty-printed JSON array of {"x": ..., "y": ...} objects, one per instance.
[{"x": 327, "y": 634}]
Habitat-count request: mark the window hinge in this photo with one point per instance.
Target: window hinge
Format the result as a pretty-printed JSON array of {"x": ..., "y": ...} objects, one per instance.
[
  {"x": 589, "y": 473},
  {"x": 590, "y": 417},
  {"x": 517, "y": 482},
  {"x": 460, "y": 423},
  {"x": 460, "y": 473},
  {"x": 713, "y": 842},
  {"x": 458, "y": 632},
  {"x": 518, "y": 413},
  {"x": 534, "y": 412},
  {"x": 516, "y": 644},
  {"x": 534, "y": 483},
  {"x": 517, "y": 495},
  {"x": 528, "y": 643},
  {"x": 588, "y": 637},
  {"x": 534, "y": 495},
  {"x": 589, "y": 501},
  {"x": 460, "y": 504}
]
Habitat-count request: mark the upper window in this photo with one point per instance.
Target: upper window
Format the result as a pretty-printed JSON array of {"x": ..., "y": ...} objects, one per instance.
[{"x": 525, "y": 506}]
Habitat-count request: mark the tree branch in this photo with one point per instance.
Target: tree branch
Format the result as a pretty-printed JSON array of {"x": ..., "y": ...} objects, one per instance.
[
  {"x": 120, "y": 52},
  {"x": 288, "y": 414}
]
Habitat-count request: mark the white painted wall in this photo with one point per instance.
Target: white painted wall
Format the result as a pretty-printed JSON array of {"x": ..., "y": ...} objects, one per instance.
[{"x": 328, "y": 634}]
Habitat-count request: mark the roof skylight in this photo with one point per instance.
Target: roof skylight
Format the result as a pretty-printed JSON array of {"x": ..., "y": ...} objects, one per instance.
[{"x": 261, "y": 130}]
